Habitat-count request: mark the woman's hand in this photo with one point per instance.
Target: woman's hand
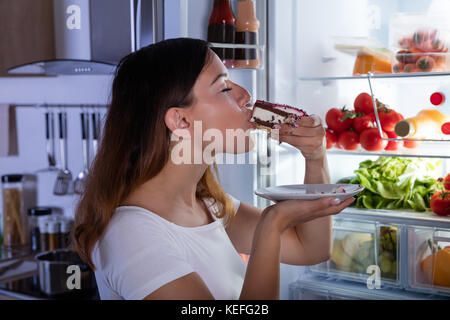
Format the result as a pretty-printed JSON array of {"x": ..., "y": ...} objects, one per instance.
[
  {"x": 290, "y": 213},
  {"x": 307, "y": 135}
]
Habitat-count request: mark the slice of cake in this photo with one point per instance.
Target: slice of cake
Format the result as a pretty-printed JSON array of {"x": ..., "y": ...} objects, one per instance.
[{"x": 267, "y": 114}]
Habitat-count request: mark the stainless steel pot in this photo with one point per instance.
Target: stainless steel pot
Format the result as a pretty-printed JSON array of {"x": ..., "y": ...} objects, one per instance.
[{"x": 60, "y": 269}]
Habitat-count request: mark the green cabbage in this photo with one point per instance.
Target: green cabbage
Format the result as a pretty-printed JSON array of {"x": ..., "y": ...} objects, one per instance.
[{"x": 396, "y": 183}]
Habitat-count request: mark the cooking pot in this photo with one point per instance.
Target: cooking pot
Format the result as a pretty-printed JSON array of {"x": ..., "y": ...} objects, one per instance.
[{"x": 62, "y": 272}]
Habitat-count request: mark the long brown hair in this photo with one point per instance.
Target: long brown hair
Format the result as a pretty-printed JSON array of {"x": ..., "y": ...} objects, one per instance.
[{"x": 135, "y": 141}]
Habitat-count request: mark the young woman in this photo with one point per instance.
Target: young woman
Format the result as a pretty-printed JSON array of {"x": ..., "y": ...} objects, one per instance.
[{"x": 154, "y": 228}]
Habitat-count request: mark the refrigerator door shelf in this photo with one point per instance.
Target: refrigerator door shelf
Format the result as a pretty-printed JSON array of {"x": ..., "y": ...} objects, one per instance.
[
  {"x": 429, "y": 260},
  {"x": 362, "y": 251},
  {"x": 324, "y": 288}
]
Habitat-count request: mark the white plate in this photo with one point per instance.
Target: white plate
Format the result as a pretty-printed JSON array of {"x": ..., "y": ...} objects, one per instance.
[{"x": 308, "y": 191}]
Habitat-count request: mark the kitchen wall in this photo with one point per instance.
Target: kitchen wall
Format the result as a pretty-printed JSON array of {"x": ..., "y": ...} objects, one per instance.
[{"x": 76, "y": 90}]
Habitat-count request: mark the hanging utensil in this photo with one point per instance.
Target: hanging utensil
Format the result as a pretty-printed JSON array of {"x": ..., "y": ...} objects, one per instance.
[
  {"x": 95, "y": 131},
  {"x": 49, "y": 142},
  {"x": 82, "y": 176},
  {"x": 64, "y": 179}
]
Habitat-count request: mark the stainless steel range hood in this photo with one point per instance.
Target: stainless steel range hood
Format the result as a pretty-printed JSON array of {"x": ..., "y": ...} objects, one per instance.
[{"x": 91, "y": 36}]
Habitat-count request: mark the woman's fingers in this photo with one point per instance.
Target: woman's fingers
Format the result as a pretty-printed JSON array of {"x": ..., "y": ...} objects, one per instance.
[
  {"x": 301, "y": 211},
  {"x": 337, "y": 208}
]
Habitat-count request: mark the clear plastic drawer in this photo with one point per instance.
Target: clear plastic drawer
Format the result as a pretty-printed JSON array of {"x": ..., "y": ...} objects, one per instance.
[
  {"x": 429, "y": 260},
  {"x": 358, "y": 247}
]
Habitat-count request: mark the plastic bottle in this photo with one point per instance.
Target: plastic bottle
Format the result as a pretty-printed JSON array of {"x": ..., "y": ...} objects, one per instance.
[
  {"x": 222, "y": 29},
  {"x": 438, "y": 99},
  {"x": 427, "y": 124},
  {"x": 247, "y": 28}
]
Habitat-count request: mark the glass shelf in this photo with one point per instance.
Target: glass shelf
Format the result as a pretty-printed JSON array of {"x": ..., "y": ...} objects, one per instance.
[
  {"x": 426, "y": 150},
  {"x": 408, "y": 217},
  {"x": 378, "y": 76},
  {"x": 237, "y": 46}
]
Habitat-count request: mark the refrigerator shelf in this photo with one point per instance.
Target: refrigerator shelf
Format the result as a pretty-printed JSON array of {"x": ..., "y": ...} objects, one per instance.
[
  {"x": 393, "y": 76},
  {"x": 405, "y": 217},
  {"x": 315, "y": 287},
  {"x": 428, "y": 149}
]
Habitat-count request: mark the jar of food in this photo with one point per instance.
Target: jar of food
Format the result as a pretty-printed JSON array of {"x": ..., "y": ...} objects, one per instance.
[
  {"x": 35, "y": 215},
  {"x": 16, "y": 232},
  {"x": 54, "y": 229},
  {"x": 43, "y": 234},
  {"x": 66, "y": 226}
]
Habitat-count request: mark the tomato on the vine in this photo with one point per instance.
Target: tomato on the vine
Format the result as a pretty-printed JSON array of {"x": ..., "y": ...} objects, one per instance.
[
  {"x": 339, "y": 120},
  {"x": 363, "y": 103},
  {"x": 440, "y": 203},
  {"x": 371, "y": 141},
  {"x": 362, "y": 123},
  {"x": 348, "y": 140},
  {"x": 389, "y": 118},
  {"x": 331, "y": 139},
  {"x": 411, "y": 144},
  {"x": 447, "y": 182},
  {"x": 392, "y": 145}
]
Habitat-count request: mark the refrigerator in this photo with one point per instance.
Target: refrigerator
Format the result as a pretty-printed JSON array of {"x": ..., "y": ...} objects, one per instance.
[{"x": 301, "y": 67}]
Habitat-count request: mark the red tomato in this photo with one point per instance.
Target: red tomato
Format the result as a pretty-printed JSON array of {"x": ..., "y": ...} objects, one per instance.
[
  {"x": 363, "y": 103},
  {"x": 440, "y": 203},
  {"x": 392, "y": 145},
  {"x": 331, "y": 139},
  {"x": 411, "y": 144},
  {"x": 389, "y": 118},
  {"x": 371, "y": 141},
  {"x": 349, "y": 140},
  {"x": 338, "y": 120},
  {"x": 447, "y": 182},
  {"x": 363, "y": 123}
]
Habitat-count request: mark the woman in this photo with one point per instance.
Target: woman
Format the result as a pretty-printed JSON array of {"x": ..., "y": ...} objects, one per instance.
[{"x": 153, "y": 228}]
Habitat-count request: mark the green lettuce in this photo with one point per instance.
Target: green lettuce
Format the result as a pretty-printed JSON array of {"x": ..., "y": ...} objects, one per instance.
[{"x": 396, "y": 183}]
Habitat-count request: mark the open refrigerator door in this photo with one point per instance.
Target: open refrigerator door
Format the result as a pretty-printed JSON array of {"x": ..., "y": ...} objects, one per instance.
[
  {"x": 317, "y": 60},
  {"x": 326, "y": 59}
]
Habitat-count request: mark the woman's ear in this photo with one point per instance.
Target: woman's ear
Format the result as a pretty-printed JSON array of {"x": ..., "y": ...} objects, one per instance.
[{"x": 176, "y": 119}]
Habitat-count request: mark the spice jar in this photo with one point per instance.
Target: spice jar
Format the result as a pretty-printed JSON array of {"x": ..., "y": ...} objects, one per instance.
[
  {"x": 53, "y": 227},
  {"x": 66, "y": 226},
  {"x": 43, "y": 234},
  {"x": 35, "y": 215},
  {"x": 15, "y": 223}
]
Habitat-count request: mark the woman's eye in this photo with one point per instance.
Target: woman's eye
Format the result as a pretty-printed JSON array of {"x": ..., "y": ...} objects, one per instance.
[{"x": 226, "y": 89}]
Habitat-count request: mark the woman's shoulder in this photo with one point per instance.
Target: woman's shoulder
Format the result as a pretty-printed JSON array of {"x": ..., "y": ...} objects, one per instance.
[
  {"x": 132, "y": 229},
  {"x": 132, "y": 226},
  {"x": 135, "y": 222}
]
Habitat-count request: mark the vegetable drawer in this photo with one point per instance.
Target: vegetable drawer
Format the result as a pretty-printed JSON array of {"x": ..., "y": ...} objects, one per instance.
[
  {"x": 358, "y": 245},
  {"x": 429, "y": 260}
]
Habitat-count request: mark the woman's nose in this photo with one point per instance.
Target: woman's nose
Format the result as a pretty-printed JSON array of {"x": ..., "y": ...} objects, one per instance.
[{"x": 243, "y": 98}]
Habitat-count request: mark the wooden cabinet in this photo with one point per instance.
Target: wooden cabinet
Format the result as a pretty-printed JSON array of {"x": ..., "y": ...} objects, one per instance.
[{"x": 26, "y": 32}]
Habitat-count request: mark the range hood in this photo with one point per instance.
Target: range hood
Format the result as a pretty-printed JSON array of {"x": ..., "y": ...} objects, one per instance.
[{"x": 91, "y": 36}]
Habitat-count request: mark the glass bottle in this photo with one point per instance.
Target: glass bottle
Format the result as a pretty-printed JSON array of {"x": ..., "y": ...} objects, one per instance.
[
  {"x": 36, "y": 214},
  {"x": 222, "y": 29},
  {"x": 15, "y": 227},
  {"x": 247, "y": 28}
]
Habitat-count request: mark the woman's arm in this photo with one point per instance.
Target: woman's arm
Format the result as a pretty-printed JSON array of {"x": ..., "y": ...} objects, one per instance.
[{"x": 316, "y": 236}]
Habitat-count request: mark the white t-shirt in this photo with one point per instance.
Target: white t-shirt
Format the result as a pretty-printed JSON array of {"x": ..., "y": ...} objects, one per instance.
[{"x": 141, "y": 252}]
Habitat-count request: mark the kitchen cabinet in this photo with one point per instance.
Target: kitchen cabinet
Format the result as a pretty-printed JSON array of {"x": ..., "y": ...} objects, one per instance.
[{"x": 27, "y": 32}]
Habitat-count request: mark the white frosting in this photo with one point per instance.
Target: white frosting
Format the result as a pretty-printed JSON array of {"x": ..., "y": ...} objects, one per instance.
[{"x": 268, "y": 116}]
